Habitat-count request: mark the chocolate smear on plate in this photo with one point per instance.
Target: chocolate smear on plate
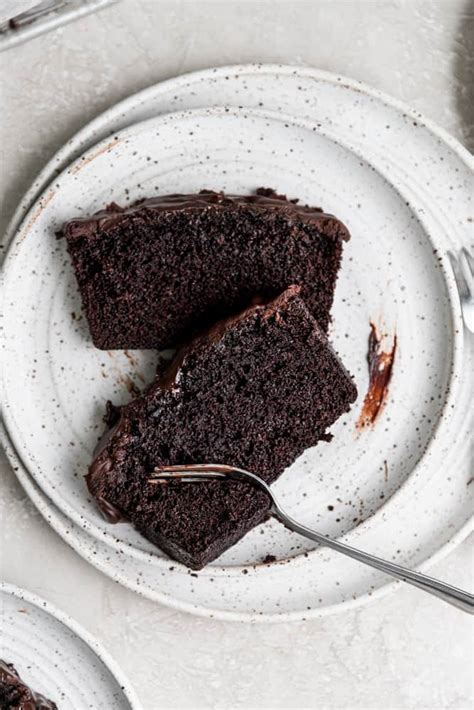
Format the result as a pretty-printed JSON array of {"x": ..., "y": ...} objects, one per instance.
[{"x": 380, "y": 372}]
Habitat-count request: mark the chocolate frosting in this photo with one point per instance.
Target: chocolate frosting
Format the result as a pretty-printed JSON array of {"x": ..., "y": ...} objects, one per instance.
[
  {"x": 264, "y": 198},
  {"x": 101, "y": 466}
]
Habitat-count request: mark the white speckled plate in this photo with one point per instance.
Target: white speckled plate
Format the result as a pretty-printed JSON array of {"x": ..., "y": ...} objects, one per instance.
[
  {"x": 55, "y": 418},
  {"x": 57, "y": 658},
  {"x": 249, "y": 595}
]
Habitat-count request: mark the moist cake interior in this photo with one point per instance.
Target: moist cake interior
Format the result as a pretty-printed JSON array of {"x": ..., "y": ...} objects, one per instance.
[
  {"x": 255, "y": 391},
  {"x": 154, "y": 273}
]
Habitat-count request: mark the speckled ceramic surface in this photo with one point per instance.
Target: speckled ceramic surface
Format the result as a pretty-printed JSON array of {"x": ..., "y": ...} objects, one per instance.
[
  {"x": 340, "y": 181},
  {"x": 54, "y": 656}
]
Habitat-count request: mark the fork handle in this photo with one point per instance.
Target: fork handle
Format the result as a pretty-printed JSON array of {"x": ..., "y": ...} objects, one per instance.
[{"x": 452, "y": 595}]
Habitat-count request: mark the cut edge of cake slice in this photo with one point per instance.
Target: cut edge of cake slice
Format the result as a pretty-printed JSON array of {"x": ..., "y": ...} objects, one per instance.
[
  {"x": 196, "y": 403},
  {"x": 152, "y": 273}
]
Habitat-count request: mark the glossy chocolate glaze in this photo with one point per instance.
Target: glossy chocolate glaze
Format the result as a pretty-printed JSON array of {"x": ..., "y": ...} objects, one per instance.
[{"x": 263, "y": 199}]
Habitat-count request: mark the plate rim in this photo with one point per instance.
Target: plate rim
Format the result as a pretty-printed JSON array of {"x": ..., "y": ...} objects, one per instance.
[
  {"x": 78, "y": 630},
  {"x": 39, "y": 499},
  {"x": 175, "y": 118},
  {"x": 195, "y": 76}
]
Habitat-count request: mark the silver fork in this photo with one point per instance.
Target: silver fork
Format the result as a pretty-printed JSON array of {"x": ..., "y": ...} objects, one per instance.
[
  {"x": 463, "y": 268},
  {"x": 193, "y": 473}
]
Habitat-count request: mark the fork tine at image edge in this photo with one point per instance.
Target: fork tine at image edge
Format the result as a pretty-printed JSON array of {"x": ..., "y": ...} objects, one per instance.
[{"x": 463, "y": 270}]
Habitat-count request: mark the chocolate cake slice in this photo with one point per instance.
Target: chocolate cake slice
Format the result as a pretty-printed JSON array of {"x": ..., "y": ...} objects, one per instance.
[
  {"x": 154, "y": 272},
  {"x": 255, "y": 391},
  {"x": 16, "y": 695}
]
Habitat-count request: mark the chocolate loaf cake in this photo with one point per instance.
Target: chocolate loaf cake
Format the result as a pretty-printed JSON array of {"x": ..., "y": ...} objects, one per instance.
[
  {"x": 254, "y": 391},
  {"x": 151, "y": 274},
  {"x": 16, "y": 695}
]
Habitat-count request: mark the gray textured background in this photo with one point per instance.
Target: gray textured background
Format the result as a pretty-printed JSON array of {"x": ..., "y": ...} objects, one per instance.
[{"x": 406, "y": 651}]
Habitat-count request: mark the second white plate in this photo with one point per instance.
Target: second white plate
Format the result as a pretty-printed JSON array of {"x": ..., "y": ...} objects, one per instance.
[{"x": 57, "y": 658}]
